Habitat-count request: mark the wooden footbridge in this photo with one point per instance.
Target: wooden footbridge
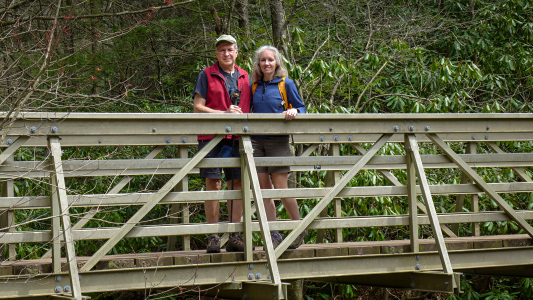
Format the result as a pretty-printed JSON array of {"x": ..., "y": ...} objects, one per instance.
[{"x": 423, "y": 157}]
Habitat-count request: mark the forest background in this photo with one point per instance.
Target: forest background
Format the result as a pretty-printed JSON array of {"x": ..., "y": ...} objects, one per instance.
[{"x": 433, "y": 56}]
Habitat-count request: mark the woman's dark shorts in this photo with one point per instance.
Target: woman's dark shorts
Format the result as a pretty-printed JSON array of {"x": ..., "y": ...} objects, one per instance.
[{"x": 276, "y": 146}]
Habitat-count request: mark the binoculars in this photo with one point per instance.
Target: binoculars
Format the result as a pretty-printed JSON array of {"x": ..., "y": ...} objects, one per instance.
[{"x": 235, "y": 96}]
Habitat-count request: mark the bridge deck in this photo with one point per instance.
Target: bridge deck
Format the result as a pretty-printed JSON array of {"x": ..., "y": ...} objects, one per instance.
[{"x": 170, "y": 258}]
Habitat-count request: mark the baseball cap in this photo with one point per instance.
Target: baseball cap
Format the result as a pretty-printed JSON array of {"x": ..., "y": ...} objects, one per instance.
[{"x": 226, "y": 38}]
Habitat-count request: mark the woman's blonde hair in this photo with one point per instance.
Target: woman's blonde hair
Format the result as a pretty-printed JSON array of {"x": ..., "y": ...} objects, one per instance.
[{"x": 281, "y": 71}]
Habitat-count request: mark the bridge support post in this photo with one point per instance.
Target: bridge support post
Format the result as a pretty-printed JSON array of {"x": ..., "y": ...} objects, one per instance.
[
  {"x": 331, "y": 179},
  {"x": 7, "y": 217},
  {"x": 60, "y": 190},
  {"x": 180, "y": 209},
  {"x": 459, "y": 204},
  {"x": 247, "y": 154},
  {"x": 246, "y": 205},
  {"x": 430, "y": 206},
  {"x": 412, "y": 197}
]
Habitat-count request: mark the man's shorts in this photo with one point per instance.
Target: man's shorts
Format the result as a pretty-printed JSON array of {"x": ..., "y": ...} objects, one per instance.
[
  {"x": 276, "y": 146},
  {"x": 216, "y": 173}
]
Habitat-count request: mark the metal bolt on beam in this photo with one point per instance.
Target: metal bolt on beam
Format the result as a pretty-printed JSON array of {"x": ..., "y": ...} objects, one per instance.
[
  {"x": 33, "y": 129},
  {"x": 330, "y": 129},
  {"x": 67, "y": 288},
  {"x": 427, "y": 128},
  {"x": 488, "y": 127},
  {"x": 53, "y": 129},
  {"x": 57, "y": 278},
  {"x": 395, "y": 128},
  {"x": 99, "y": 141},
  {"x": 250, "y": 266},
  {"x": 184, "y": 140},
  {"x": 58, "y": 289},
  {"x": 473, "y": 136},
  {"x": 258, "y": 276},
  {"x": 486, "y": 136},
  {"x": 336, "y": 138},
  {"x": 9, "y": 142},
  {"x": 167, "y": 140},
  {"x": 250, "y": 276},
  {"x": 266, "y": 265},
  {"x": 350, "y": 138},
  {"x": 411, "y": 128},
  {"x": 417, "y": 257},
  {"x": 417, "y": 267},
  {"x": 245, "y": 129},
  {"x": 321, "y": 138},
  {"x": 154, "y": 129},
  {"x": 228, "y": 129}
]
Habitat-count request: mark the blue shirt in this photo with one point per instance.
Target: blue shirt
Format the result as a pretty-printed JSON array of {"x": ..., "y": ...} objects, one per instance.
[{"x": 267, "y": 98}]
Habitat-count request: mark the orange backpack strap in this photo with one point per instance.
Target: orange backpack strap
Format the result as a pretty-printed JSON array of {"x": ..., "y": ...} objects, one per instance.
[
  {"x": 283, "y": 92},
  {"x": 254, "y": 86}
]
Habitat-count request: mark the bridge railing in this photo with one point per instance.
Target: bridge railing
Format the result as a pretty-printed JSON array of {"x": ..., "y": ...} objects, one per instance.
[{"x": 139, "y": 162}]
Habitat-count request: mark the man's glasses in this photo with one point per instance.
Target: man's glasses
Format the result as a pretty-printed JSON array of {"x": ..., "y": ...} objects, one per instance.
[{"x": 228, "y": 51}]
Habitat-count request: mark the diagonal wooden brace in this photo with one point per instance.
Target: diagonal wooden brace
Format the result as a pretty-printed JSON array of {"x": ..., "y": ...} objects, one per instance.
[
  {"x": 154, "y": 200},
  {"x": 430, "y": 206},
  {"x": 61, "y": 192},
  {"x": 263, "y": 222},
  {"x": 12, "y": 148},
  {"x": 480, "y": 182},
  {"x": 332, "y": 193}
]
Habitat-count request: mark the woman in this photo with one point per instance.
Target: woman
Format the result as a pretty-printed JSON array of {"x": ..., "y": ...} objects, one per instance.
[{"x": 269, "y": 71}]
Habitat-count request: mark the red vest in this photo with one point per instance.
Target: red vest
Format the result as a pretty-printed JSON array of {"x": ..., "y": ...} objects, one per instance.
[{"x": 217, "y": 95}]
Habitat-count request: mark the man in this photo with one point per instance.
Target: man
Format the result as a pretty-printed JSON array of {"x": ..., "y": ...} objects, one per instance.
[{"x": 216, "y": 87}]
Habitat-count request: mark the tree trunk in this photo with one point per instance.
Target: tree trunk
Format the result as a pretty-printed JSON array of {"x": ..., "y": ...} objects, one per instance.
[
  {"x": 244, "y": 20},
  {"x": 278, "y": 20}
]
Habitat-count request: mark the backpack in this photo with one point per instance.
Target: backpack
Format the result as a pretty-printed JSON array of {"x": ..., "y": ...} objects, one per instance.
[{"x": 282, "y": 91}]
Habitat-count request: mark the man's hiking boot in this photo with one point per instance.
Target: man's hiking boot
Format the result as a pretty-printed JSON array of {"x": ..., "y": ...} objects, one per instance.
[
  {"x": 213, "y": 243},
  {"x": 299, "y": 240},
  {"x": 236, "y": 243},
  {"x": 277, "y": 238}
]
